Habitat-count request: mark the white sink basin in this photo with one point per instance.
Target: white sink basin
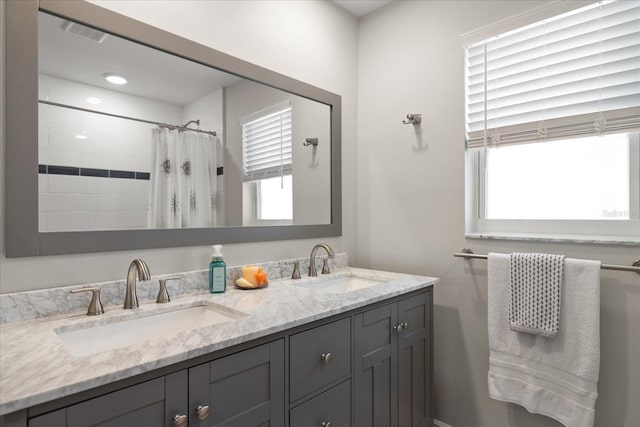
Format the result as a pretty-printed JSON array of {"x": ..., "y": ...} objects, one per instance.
[
  {"x": 342, "y": 284},
  {"x": 96, "y": 339}
]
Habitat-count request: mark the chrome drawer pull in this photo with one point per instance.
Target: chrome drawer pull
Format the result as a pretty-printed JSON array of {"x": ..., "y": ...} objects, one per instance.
[
  {"x": 179, "y": 421},
  {"x": 202, "y": 412},
  {"x": 327, "y": 358},
  {"x": 401, "y": 327}
]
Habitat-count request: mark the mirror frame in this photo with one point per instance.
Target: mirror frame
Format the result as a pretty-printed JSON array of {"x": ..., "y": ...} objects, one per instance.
[{"x": 23, "y": 237}]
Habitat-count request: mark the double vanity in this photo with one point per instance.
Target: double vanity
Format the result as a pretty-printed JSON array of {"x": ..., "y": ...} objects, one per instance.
[{"x": 339, "y": 349}]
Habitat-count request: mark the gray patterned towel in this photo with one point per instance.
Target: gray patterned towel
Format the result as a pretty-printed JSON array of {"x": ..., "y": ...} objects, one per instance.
[{"x": 534, "y": 306}]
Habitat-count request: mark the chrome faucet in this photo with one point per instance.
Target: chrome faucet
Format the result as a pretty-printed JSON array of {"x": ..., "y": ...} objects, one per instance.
[
  {"x": 313, "y": 272},
  {"x": 142, "y": 269}
]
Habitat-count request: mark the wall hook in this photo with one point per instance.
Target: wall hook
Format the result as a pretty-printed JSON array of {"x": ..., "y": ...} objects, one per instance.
[
  {"x": 310, "y": 141},
  {"x": 413, "y": 119}
]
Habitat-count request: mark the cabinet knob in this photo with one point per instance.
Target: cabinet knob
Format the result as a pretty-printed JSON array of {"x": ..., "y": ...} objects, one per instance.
[
  {"x": 401, "y": 327},
  {"x": 327, "y": 358},
  {"x": 179, "y": 420},
  {"x": 326, "y": 424},
  {"x": 202, "y": 412}
]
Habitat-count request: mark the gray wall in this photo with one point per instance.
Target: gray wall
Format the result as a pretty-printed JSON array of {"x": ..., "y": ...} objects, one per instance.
[{"x": 411, "y": 211}]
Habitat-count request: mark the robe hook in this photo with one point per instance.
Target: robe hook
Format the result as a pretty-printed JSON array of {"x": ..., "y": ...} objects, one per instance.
[
  {"x": 413, "y": 119},
  {"x": 310, "y": 141}
]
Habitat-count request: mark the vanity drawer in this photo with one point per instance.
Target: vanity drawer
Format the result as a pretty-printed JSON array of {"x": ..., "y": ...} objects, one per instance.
[
  {"x": 333, "y": 406},
  {"x": 318, "y": 357}
]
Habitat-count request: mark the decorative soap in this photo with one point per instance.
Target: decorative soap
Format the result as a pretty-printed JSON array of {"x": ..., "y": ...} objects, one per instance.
[{"x": 252, "y": 277}]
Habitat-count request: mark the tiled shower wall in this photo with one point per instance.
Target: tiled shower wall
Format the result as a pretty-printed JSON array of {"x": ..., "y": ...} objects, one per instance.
[
  {"x": 91, "y": 183},
  {"x": 101, "y": 181}
]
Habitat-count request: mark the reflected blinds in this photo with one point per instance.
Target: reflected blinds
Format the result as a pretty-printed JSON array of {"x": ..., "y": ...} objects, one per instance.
[
  {"x": 266, "y": 146},
  {"x": 577, "y": 74}
]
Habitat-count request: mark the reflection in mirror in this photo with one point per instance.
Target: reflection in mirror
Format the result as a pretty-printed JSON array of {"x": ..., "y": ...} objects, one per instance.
[{"x": 115, "y": 157}]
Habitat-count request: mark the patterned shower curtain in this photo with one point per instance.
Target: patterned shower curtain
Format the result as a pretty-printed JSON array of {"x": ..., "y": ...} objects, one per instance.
[{"x": 183, "y": 179}]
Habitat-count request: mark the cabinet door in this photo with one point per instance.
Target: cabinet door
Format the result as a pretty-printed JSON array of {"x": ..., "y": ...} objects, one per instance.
[
  {"x": 245, "y": 389},
  {"x": 142, "y": 404},
  {"x": 139, "y": 405},
  {"x": 414, "y": 361},
  {"x": 375, "y": 368}
]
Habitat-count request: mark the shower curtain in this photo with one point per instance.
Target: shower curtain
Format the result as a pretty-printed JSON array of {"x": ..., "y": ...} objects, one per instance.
[{"x": 183, "y": 189}]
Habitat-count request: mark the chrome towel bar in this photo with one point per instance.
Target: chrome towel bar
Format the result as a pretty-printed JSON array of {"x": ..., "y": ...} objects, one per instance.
[{"x": 468, "y": 254}]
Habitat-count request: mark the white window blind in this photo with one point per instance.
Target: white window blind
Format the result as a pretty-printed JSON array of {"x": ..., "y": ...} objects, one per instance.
[
  {"x": 577, "y": 74},
  {"x": 266, "y": 145}
]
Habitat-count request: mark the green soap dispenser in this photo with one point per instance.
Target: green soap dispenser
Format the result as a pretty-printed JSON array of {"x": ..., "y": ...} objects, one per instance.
[{"x": 217, "y": 271}]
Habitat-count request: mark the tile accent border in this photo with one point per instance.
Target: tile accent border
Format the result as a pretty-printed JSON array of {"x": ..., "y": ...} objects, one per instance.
[
  {"x": 102, "y": 173},
  {"x": 30, "y": 305}
]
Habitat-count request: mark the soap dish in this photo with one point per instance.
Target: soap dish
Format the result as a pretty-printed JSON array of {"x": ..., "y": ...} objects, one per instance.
[{"x": 251, "y": 287}]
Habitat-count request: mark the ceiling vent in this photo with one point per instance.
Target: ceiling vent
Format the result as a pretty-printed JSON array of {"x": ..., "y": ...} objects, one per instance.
[{"x": 84, "y": 31}]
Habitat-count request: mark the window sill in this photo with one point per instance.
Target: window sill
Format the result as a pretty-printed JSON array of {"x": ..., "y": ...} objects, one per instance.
[{"x": 558, "y": 238}]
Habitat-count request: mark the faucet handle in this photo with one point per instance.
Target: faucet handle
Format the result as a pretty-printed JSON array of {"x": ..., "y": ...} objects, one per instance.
[
  {"x": 95, "y": 305},
  {"x": 163, "y": 294},
  {"x": 296, "y": 270},
  {"x": 325, "y": 266}
]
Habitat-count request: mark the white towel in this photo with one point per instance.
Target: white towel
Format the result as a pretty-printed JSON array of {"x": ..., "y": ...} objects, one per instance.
[{"x": 555, "y": 377}]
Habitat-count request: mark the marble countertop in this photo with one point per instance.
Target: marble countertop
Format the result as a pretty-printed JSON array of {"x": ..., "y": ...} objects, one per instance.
[{"x": 35, "y": 366}]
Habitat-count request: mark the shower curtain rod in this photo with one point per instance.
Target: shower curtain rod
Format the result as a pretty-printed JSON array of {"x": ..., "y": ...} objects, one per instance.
[
  {"x": 468, "y": 254},
  {"x": 180, "y": 128}
]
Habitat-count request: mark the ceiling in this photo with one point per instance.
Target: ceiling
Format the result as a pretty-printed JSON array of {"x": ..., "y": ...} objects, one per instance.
[
  {"x": 361, "y": 7},
  {"x": 152, "y": 74}
]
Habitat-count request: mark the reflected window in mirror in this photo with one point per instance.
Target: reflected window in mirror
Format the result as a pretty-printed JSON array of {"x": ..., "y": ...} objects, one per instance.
[
  {"x": 267, "y": 165},
  {"x": 275, "y": 199}
]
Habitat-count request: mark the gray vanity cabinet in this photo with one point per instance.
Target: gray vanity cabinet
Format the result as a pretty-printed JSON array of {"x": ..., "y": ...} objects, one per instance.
[
  {"x": 245, "y": 389},
  {"x": 369, "y": 367},
  {"x": 392, "y": 364}
]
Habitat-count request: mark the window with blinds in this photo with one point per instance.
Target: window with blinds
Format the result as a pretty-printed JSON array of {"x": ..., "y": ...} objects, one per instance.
[
  {"x": 553, "y": 128},
  {"x": 576, "y": 74},
  {"x": 266, "y": 145}
]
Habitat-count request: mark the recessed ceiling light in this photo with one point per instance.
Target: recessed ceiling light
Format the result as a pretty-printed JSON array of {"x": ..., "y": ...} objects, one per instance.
[
  {"x": 116, "y": 79},
  {"x": 80, "y": 136},
  {"x": 93, "y": 100}
]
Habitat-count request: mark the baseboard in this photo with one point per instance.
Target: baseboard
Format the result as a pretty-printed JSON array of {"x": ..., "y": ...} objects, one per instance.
[{"x": 439, "y": 423}]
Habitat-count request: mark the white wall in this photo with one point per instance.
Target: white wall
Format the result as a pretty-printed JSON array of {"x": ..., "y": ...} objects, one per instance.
[
  {"x": 411, "y": 211},
  {"x": 320, "y": 32}
]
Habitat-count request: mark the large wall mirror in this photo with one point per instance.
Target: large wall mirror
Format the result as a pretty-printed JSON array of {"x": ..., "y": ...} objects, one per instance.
[{"x": 123, "y": 136}]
